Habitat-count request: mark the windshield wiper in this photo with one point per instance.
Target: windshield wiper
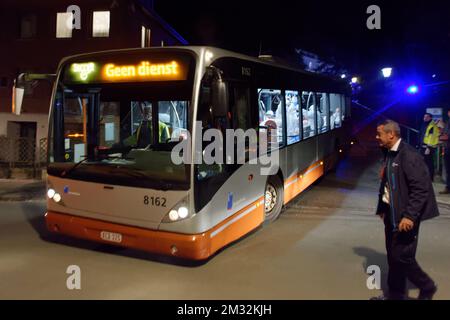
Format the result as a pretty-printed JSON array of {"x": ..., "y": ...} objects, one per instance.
[
  {"x": 99, "y": 156},
  {"x": 66, "y": 172}
]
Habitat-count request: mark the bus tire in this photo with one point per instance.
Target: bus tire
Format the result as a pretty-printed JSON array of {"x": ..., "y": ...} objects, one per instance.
[{"x": 273, "y": 199}]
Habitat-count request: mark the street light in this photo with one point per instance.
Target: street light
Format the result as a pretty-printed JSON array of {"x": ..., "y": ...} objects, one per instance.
[
  {"x": 355, "y": 80},
  {"x": 387, "y": 72},
  {"x": 343, "y": 76}
]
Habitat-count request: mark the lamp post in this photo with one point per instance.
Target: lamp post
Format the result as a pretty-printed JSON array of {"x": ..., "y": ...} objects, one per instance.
[{"x": 387, "y": 72}]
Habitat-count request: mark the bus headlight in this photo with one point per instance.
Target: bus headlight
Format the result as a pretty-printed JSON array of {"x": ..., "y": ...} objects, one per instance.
[
  {"x": 57, "y": 197},
  {"x": 178, "y": 213},
  {"x": 183, "y": 212},
  {"x": 173, "y": 215},
  {"x": 51, "y": 193}
]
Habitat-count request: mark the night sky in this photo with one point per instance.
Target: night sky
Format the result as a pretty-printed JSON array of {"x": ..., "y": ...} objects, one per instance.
[{"x": 414, "y": 39}]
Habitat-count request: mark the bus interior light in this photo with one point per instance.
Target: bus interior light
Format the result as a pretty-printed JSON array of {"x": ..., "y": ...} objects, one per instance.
[{"x": 209, "y": 56}]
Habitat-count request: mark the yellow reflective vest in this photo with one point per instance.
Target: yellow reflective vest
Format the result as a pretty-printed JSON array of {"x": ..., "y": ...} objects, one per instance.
[
  {"x": 431, "y": 137},
  {"x": 163, "y": 131}
]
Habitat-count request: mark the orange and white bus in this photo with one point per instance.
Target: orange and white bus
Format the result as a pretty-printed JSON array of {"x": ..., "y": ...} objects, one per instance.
[{"x": 110, "y": 174}]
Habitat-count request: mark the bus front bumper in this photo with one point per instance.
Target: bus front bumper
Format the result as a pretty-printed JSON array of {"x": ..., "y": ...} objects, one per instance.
[{"x": 195, "y": 247}]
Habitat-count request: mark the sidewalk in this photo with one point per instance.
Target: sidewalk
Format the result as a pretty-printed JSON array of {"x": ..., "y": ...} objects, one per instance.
[
  {"x": 22, "y": 190},
  {"x": 442, "y": 199}
]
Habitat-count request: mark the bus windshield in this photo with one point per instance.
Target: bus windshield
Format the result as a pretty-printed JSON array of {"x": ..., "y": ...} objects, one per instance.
[{"x": 120, "y": 133}]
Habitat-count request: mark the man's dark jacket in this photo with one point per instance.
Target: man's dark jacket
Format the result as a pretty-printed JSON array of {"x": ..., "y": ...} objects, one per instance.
[{"x": 411, "y": 192}]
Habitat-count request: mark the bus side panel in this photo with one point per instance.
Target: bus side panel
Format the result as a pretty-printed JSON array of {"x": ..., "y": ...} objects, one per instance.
[
  {"x": 299, "y": 158},
  {"x": 326, "y": 144},
  {"x": 243, "y": 188}
]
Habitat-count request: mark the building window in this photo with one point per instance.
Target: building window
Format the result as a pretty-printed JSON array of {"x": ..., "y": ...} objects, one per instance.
[
  {"x": 64, "y": 24},
  {"x": 28, "y": 26},
  {"x": 309, "y": 114},
  {"x": 271, "y": 109},
  {"x": 292, "y": 117},
  {"x": 100, "y": 24},
  {"x": 335, "y": 110},
  {"x": 145, "y": 37}
]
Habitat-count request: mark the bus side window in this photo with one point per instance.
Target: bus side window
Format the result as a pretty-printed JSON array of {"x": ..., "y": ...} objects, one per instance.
[
  {"x": 344, "y": 108},
  {"x": 240, "y": 107},
  {"x": 309, "y": 113},
  {"x": 292, "y": 117},
  {"x": 335, "y": 111},
  {"x": 323, "y": 115},
  {"x": 271, "y": 110}
]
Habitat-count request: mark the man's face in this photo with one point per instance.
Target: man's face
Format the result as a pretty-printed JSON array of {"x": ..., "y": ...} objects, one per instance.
[
  {"x": 385, "y": 139},
  {"x": 147, "y": 113},
  {"x": 448, "y": 113},
  {"x": 426, "y": 118}
]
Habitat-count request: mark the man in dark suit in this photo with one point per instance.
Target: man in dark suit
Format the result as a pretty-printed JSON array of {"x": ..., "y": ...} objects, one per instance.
[{"x": 406, "y": 198}]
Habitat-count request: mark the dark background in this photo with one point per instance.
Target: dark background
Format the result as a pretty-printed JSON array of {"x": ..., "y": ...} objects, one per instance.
[{"x": 414, "y": 39}]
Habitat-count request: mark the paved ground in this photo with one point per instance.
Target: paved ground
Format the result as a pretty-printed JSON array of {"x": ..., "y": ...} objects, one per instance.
[
  {"x": 21, "y": 190},
  {"x": 319, "y": 249}
]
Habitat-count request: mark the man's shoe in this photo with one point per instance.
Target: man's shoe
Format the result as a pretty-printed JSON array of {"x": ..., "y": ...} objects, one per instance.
[
  {"x": 445, "y": 191},
  {"x": 427, "y": 294}
]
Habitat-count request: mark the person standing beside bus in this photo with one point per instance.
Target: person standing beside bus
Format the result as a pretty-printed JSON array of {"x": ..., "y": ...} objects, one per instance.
[
  {"x": 429, "y": 140},
  {"x": 444, "y": 138},
  {"x": 406, "y": 198}
]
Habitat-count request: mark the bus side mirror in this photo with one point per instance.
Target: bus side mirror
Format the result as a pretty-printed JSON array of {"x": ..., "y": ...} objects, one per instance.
[
  {"x": 219, "y": 98},
  {"x": 21, "y": 83},
  {"x": 18, "y": 93}
]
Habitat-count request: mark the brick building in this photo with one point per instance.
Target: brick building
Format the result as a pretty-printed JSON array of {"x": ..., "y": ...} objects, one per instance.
[{"x": 34, "y": 37}]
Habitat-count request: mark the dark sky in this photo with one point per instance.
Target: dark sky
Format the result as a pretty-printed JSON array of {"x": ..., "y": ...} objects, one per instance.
[{"x": 415, "y": 36}]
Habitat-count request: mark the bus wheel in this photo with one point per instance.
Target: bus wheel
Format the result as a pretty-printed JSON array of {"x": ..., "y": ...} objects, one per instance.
[{"x": 273, "y": 199}]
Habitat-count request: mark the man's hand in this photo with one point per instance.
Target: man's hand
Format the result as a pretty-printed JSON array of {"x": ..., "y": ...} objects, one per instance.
[
  {"x": 381, "y": 216},
  {"x": 406, "y": 225}
]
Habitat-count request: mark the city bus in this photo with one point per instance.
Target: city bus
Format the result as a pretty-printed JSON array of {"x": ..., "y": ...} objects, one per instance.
[{"x": 116, "y": 117}]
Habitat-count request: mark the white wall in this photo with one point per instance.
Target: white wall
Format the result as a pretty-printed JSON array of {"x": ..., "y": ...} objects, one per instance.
[{"x": 40, "y": 119}]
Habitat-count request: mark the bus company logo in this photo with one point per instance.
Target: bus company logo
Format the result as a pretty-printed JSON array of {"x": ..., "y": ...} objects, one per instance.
[
  {"x": 83, "y": 69},
  {"x": 240, "y": 147}
]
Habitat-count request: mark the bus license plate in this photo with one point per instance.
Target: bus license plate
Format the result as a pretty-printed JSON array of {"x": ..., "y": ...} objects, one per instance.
[{"x": 111, "y": 236}]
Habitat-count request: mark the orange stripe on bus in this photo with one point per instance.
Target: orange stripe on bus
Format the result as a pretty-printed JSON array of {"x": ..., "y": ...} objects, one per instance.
[
  {"x": 295, "y": 184},
  {"x": 196, "y": 246}
]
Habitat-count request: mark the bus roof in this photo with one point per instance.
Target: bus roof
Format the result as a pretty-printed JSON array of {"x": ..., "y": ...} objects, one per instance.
[{"x": 199, "y": 51}]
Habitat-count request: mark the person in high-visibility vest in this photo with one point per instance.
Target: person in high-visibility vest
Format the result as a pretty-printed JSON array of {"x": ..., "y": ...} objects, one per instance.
[
  {"x": 143, "y": 136},
  {"x": 429, "y": 140},
  {"x": 444, "y": 138}
]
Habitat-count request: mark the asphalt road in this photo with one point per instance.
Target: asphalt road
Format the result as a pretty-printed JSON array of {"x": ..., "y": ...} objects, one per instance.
[{"x": 319, "y": 248}]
